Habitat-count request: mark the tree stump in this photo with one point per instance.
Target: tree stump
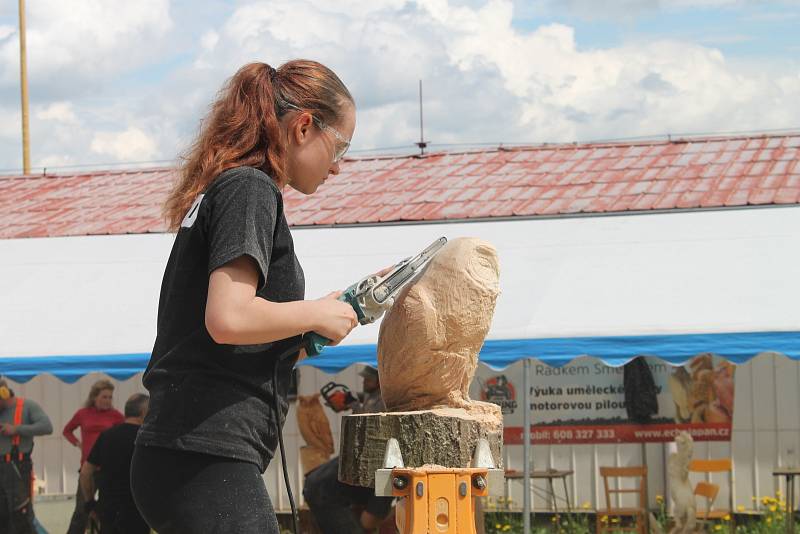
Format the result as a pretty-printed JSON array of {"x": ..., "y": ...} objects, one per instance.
[{"x": 442, "y": 436}]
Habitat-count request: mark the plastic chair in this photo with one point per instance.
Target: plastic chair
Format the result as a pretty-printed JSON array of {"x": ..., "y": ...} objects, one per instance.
[
  {"x": 638, "y": 513},
  {"x": 715, "y": 465}
]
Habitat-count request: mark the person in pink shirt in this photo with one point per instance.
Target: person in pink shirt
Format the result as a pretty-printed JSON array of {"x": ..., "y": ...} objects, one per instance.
[{"x": 98, "y": 414}]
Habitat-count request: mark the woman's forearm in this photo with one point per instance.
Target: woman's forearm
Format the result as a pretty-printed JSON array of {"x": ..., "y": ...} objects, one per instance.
[
  {"x": 235, "y": 315},
  {"x": 260, "y": 321}
]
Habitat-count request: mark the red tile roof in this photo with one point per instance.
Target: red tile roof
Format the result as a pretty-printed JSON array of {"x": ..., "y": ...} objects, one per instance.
[{"x": 552, "y": 180}]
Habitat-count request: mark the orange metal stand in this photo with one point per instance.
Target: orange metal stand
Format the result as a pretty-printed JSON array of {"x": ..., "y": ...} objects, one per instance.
[{"x": 437, "y": 500}]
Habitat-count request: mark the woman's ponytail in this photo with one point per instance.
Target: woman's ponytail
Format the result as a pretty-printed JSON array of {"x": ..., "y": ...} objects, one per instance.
[{"x": 243, "y": 126}]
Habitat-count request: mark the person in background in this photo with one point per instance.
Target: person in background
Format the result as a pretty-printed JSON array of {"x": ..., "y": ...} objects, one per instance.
[
  {"x": 98, "y": 414},
  {"x": 110, "y": 460},
  {"x": 20, "y": 420},
  {"x": 331, "y": 502}
]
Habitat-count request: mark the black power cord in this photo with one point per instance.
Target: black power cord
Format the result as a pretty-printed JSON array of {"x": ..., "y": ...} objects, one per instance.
[{"x": 291, "y": 350}]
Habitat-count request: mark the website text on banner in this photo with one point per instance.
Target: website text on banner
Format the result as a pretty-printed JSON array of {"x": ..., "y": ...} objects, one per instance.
[{"x": 584, "y": 402}]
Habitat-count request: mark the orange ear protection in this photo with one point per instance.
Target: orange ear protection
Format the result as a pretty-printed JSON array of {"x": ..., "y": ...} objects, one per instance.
[{"x": 5, "y": 393}]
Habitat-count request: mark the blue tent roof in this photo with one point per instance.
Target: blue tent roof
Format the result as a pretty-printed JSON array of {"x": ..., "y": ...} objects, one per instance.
[
  {"x": 618, "y": 350},
  {"x": 497, "y": 353}
]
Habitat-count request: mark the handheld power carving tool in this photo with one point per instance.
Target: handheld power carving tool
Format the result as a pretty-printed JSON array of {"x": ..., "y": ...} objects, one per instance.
[{"x": 372, "y": 296}]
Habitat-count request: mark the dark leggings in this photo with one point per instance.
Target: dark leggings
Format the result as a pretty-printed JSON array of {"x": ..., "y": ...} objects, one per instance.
[{"x": 185, "y": 492}]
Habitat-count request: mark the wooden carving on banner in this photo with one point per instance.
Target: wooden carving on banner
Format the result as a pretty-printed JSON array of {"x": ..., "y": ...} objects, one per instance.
[
  {"x": 427, "y": 356},
  {"x": 316, "y": 432}
]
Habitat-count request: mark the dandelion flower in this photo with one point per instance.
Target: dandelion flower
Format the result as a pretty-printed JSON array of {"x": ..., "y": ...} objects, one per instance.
[
  {"x": 740, "y": 508},
  {"x": 586, "y": 505},
  {"x": 728, "y": 516},
  {"x": 659, "y": 499},
  {"x": 717, "y": 527}
]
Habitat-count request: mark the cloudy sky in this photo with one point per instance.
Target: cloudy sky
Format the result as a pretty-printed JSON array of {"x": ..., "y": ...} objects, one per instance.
[{"x": 115, "y": 81}]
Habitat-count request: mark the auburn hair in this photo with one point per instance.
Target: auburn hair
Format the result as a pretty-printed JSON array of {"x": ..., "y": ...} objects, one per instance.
[{"x": 242, "y": 127}]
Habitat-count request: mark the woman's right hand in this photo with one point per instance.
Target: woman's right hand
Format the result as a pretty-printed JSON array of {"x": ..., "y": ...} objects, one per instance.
[{"x": 334, "y": 319}]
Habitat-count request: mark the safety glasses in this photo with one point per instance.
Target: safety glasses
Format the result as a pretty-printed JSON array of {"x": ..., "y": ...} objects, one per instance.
[{"x": 342, "y": 144}]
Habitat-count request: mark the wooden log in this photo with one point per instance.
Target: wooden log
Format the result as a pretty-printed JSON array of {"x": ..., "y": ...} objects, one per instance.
[{"x": 440, "y": 436}]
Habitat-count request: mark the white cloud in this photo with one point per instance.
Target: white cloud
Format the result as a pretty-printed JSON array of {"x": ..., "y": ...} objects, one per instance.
[
  {"x": 626, "y": 10},
  {"x": 11, "y": 124},
  {"x": 58, "y": 111},
  {"x": 131, "y": 144},
  {"x": 209, "y": 40},
  {"x": 486, "y": 80},
  {"x": 6, "y": 31},
  {"x": 84, "y": 41},
  {"x": 54, "y": 160}
]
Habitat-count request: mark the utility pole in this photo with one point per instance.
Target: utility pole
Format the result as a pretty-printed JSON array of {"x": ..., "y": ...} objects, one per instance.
[{"x": 23, "y": 79}]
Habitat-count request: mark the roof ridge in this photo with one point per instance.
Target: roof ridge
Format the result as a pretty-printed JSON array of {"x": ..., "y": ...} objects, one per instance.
[
  {"x": 509, "y": 147},
  {"x": 650, "y": 141},
  {"x": 97, "y": 172}
]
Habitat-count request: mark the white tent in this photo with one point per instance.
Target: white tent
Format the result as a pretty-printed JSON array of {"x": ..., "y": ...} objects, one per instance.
[
  {"x": 89, "y": 303},
  {"x": 79, "y": 304}
]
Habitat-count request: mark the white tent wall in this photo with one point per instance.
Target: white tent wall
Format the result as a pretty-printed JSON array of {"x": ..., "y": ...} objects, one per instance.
[
  {"x": 766, "y": 434},
  {"x": 719, "y": 271}
]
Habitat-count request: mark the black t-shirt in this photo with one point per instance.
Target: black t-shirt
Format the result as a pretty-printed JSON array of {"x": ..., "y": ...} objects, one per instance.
[
  {"x": 112, "y": 453},
  {"x": 206, "y": 397}
]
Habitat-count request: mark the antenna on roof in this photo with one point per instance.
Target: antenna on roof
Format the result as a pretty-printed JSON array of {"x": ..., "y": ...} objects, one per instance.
[{"x": 422, "y": 143}]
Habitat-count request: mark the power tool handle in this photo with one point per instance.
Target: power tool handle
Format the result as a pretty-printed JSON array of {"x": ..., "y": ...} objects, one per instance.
[{"x": 314, "y": 343}]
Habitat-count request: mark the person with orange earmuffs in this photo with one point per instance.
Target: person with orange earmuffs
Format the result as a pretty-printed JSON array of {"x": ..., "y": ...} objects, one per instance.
[{"x": 20, "y": 420}]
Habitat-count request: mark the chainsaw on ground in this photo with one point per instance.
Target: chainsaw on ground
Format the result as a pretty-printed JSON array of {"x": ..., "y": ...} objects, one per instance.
[
  {"x": 373, "y": 295},
  {"x": 338, "y": 397}
]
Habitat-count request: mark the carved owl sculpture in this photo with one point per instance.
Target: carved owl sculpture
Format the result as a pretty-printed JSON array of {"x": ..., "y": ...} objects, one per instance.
[
  {"x": 430, "y": 339},
  {"x": 313, "y": 423}
]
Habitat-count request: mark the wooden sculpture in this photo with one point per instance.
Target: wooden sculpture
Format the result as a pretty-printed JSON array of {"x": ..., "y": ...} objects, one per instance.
[
  {"x": 680, "y": 488},
  {"x": 316, "y": 432},
  {"x": 427, "y": 355}
]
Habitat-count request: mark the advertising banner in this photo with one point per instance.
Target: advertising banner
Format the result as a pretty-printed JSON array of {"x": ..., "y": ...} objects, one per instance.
[{"x": 590, "y": 402}]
